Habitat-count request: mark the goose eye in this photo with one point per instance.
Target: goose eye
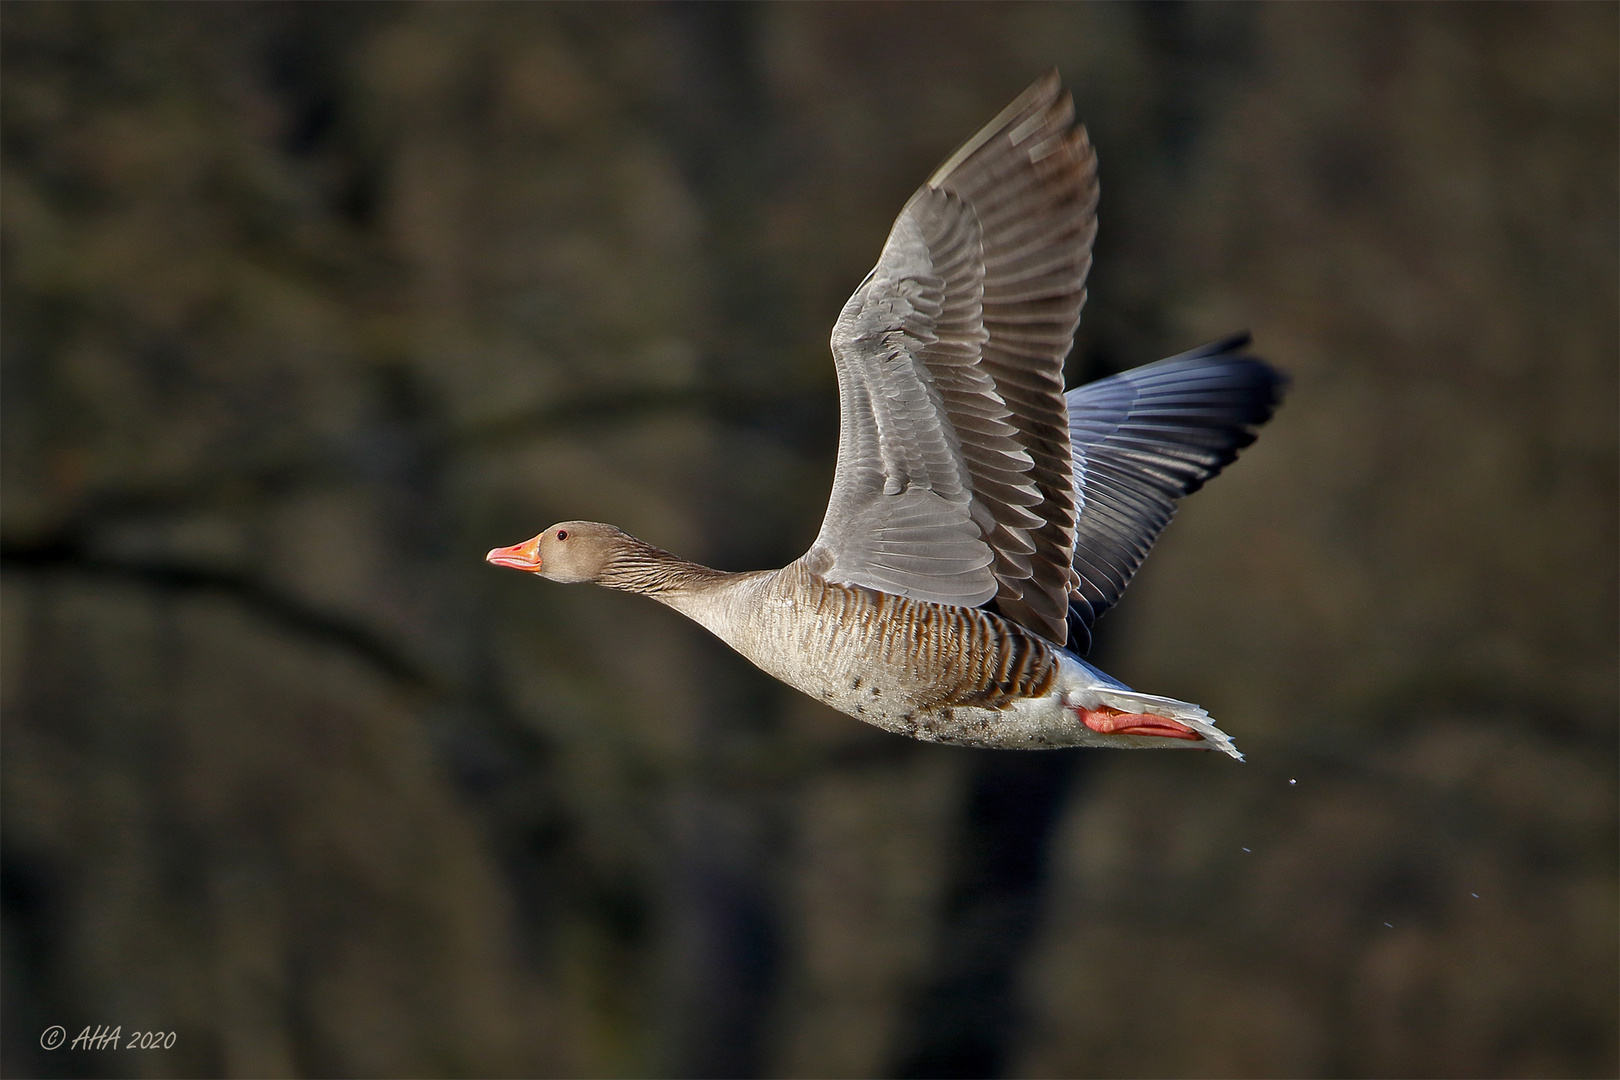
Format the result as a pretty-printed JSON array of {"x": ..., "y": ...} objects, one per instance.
[{"x": 562, "y": 534}]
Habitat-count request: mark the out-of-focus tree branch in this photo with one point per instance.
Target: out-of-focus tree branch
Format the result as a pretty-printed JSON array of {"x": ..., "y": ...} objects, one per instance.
[{"x": 65, "y": 554}]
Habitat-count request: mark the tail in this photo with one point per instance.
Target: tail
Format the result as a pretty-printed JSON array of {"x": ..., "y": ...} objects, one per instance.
[{"x": 1093, "y": 687}]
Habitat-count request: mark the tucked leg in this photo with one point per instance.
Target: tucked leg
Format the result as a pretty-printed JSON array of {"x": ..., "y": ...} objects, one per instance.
[{"x": 1108, "y": 721}]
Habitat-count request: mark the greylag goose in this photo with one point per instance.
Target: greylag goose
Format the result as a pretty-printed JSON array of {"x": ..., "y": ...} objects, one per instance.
[{"x": 980, "y": 518}]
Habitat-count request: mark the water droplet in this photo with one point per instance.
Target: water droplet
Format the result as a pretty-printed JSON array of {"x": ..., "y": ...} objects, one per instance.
[
  {"x": 1246, "y": 849},
  {"x": 1475, "y": 895},
  {"x": 1292, "y": 782},
  {"x": 1390, "y": 925}
]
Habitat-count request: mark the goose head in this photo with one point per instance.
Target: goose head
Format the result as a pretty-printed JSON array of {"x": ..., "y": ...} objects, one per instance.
[{"x": 571, "y": 551}]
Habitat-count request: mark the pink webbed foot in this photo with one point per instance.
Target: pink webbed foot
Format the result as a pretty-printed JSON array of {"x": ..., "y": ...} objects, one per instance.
[{"x": 1107, "y": 721}]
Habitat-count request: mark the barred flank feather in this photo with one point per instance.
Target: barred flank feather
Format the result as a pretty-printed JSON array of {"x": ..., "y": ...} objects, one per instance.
[{"x": 958, "y": 656}]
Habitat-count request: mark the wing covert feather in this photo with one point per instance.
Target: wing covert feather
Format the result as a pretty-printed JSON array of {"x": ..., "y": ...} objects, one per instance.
[{"x": 907, "y": 343}]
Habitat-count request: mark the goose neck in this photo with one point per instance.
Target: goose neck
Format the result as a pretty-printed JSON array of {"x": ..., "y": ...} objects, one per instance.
[{"x": 639, "y": 567}]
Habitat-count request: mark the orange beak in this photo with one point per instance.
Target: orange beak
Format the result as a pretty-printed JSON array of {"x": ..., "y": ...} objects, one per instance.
[{"x": 524, "y": 556}]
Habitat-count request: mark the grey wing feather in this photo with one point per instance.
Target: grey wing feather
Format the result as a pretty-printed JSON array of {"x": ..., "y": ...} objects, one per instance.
[
  {"x": 901, "y": 516},
  {"x": 1031, "y": 178},
  {"x": 954, "y": 472},
  {"x": 1144, "y": 439}
]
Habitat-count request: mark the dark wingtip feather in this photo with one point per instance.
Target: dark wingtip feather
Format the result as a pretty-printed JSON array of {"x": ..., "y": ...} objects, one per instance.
[
  {"x": 1272, "y": 381},
  {"x": 1079, "y": 620},
  {"x": 1151, "y": 436}
]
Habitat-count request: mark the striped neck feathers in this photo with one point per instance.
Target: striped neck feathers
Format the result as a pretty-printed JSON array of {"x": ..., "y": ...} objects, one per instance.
[{"x": 636, "y": 566}]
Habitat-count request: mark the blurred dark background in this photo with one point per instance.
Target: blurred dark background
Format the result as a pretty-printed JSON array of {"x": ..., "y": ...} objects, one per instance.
[{"x": 308, "y": 305}]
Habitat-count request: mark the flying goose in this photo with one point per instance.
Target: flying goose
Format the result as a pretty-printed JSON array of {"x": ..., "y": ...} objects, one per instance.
[{"x": 981, "y": 519}]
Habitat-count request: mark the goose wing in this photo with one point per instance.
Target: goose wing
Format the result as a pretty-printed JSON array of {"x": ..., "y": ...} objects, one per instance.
[
  {"x": 954, "y": 480},
  {"x": 1144, "y": 439}
]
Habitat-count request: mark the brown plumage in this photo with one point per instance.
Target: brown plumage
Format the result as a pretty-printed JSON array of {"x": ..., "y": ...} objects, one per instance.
[{"x": 1038, "y": 223}]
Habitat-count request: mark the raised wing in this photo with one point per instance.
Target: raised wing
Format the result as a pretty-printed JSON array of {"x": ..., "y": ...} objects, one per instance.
[
  {"x": 901, "y": 517},
  {"x": 1032, "y": 180},
  {"x": 953, "y": 481},
  {"x": 1145, "y": 438}
]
